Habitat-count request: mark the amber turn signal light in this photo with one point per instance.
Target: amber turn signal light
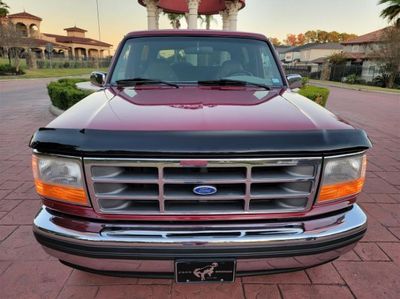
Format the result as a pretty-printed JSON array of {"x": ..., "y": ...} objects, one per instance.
[
  {"x": 62, "y": 193},
  {"x": 342, "y": 190}
]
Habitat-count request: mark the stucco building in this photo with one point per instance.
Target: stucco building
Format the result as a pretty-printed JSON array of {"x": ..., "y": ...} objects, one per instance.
[
  {"x": 310, "y": 52},
  {"x": 361, "y": 52},
  {"x": 73, "y": 45}
]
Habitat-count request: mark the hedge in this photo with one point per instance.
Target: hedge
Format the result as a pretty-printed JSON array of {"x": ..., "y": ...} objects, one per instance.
[
  {"x": 6, "y": 70},
  {"x": 317, "y": 94},
  {"x": 64, "y": 93}
]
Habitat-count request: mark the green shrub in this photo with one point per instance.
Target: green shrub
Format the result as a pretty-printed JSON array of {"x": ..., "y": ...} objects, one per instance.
[
  {"x": 304, "y": 81},
  {"x": 6, "y": 70},
  {"x": 354, "y": 79},
  {"x": 64, "y": 93},
  {"x": 317, "y": 94}
]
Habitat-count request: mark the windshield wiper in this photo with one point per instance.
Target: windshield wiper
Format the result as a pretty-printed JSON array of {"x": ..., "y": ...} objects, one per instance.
[
  {"x": 232, "y": 82},
  {"x": 143, "y": 81}
]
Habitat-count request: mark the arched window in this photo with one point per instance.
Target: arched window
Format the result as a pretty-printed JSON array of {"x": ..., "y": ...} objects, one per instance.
[
  {"x": 22, "y": 29},
  {"x": 34, "y": 30}
]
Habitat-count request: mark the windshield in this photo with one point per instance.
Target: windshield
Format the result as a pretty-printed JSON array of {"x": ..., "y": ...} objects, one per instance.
[{"x": 196, "y": 59}]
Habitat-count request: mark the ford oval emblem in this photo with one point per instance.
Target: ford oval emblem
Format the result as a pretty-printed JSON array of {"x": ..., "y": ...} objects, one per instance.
[{"x": 204, "y": 190}]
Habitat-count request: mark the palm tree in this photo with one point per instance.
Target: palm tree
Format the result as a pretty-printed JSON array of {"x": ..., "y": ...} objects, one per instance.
[
  {"x": 207, "y": 19},
  {"x": 174, "y": 19},
  {"x": 392, "y": 11},
  {"x": 3, "y": 9}
]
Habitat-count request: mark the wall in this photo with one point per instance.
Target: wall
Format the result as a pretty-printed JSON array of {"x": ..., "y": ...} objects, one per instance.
[{"x": 312, "y": 54}]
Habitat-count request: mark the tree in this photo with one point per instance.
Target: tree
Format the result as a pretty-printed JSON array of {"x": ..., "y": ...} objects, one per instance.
[
  {"x": 337, "y": 58},
  {"x": 291, "y": 40},
  {"x": 334, "y": 37},
  {"x": 14, "y": 43},
  {"x": 344, "y": 37},
  {"x": 301, "y": 39},
  {"x": 311, "y": 36},
  {"x": 392, "y": 11},
  {"x": 389, "y": 54},
  {"x": 275, "y": 41},
  {"x": 323, "y": 36},
  {"x": 318, "y": 36},
  {"x": 3, "y": 9},
  {"x": 174, "y": 19},
  {"x": 207, "y": 19}
]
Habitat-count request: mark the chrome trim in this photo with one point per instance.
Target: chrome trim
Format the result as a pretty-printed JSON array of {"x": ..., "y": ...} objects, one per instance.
[
  {"x": 161, "y": 181},
  {"x": 346, "y": 155},
  {"x": 243, "y": 266},
  {"x": 309, "y": 232}
]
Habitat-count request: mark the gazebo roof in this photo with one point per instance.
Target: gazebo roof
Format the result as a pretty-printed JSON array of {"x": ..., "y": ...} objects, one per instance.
[{"x": 206, "y": 7}]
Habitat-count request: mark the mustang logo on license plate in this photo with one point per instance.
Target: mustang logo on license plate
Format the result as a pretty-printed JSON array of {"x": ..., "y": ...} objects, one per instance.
[{"x": 207, "y": 271}]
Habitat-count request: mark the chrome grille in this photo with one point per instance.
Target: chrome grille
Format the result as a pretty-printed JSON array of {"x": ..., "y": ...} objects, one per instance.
[{"x": 165, "y": 186}]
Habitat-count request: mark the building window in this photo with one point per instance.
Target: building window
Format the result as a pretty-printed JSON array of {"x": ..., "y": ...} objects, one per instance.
[{"x": 372, "y": 69}]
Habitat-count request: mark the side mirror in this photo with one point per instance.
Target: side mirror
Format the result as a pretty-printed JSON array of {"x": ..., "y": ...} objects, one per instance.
[
  {"x": 98, "y": 78},
  {"x": 295, "y": 81}
]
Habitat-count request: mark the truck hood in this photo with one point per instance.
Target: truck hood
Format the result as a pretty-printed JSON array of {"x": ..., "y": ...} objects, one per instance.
[{"x": 197, "y": 109}]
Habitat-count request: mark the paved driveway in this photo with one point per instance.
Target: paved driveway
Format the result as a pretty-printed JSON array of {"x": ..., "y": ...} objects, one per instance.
[{"x": 372, "y": 270}]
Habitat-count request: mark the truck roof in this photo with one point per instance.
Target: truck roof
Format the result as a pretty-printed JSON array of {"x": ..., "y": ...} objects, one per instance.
[{"x": 184, "y": 32}]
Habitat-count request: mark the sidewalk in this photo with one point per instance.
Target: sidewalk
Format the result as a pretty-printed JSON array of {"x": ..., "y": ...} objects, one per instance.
[{"x": 354, "y": 87}]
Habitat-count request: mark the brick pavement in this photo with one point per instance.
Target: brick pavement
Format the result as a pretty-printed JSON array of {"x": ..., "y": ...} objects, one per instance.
[{"x": 372, "y": 270}]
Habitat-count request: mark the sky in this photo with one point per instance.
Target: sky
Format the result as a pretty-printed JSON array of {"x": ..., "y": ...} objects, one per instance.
[{"x": 273, "y": 18}]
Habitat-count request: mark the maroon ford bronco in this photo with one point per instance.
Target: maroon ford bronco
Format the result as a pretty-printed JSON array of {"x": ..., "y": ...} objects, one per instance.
[{"x": 196, "y": 160}]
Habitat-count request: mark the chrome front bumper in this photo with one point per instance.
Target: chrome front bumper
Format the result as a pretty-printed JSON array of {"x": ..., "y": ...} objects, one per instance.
[{"x": 143, "y": 249}]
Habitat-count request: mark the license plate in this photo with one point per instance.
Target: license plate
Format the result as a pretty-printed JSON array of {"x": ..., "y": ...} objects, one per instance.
[{"x": 205, "y": 271}]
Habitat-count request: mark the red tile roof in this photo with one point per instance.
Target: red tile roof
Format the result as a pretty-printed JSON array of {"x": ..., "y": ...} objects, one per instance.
[
  {"x": 37, "y": 42},
  {"x": 355, "y": 55},
  {"x": 359, "y": 56},
  {"x": 77, "y": 40},
  {"x": 76, "y": 29},
  {"x": 372, "y": 37},
  {"x": 24, "y": 15}
]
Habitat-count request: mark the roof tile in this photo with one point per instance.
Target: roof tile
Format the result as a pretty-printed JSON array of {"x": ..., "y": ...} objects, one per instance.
[{"x": 24, "y": 15}]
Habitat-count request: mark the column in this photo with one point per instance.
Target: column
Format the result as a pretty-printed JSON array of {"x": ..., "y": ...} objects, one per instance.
[
  {"x": 158, "y": 18},
  {"x": 225, "y": 19},
  {"x": 41, "y": 53},
  {"x": 233, "y": 8},
  {"x": 152, "y": 14},
  {"x": 193, "y": 6}
]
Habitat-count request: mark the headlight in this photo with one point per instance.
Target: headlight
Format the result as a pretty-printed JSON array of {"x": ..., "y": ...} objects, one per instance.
[
  {"x": 342, "y": 177},
  {"x": 59, "y": 179}
]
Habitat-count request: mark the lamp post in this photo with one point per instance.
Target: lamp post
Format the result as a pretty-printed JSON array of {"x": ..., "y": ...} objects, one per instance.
[{"x": 98, "y": 19}]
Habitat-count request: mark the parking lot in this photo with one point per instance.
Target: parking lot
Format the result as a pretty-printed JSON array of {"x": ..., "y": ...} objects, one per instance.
[{"x": 372, "y": 270}]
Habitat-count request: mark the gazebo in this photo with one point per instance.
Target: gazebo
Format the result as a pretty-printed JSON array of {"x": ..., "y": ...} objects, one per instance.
[{"x": 228, "y": 9}]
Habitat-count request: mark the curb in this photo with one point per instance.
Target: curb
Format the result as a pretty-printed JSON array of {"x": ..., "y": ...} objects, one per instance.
[
  {"x": 316, "y": 82},
  {"x": 55, "y": 111}
]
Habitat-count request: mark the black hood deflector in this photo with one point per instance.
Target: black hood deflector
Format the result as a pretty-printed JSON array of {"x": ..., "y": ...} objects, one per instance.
[{"x": 164, "y": 144}]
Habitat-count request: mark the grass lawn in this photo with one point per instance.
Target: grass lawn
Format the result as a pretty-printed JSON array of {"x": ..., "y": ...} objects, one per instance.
[
  {"x": 354, "y": 86},
  {"x": 50, "y": 73},
  {"x": 5, "y": 61}
]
